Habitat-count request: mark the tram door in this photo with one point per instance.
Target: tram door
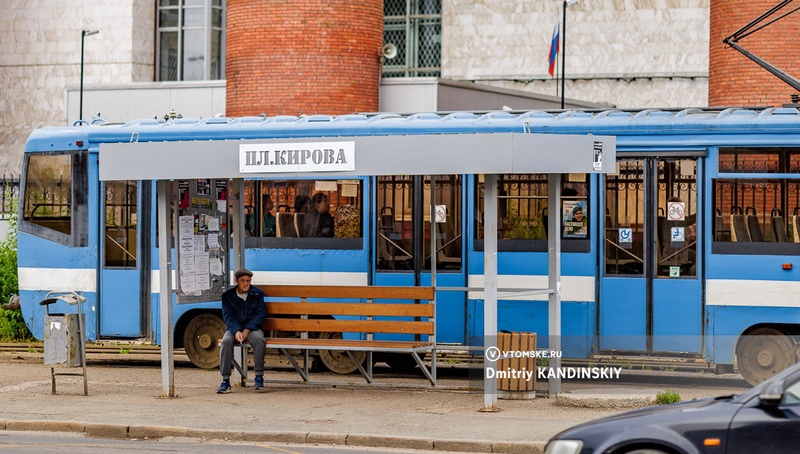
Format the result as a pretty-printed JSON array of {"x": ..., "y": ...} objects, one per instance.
[
  {"x": 403, "y": 243},
  {"x": 124, "y": 278},
  {"x": 650, "y": 294}
]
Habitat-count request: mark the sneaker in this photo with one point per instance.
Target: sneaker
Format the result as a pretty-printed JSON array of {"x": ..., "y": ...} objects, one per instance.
[
  {"x": 225, "y": 387},
  {"x": 259, "y": 383}
]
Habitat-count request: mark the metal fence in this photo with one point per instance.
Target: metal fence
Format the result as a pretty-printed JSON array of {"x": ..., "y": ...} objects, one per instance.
[{"x": 9, "y": 195}]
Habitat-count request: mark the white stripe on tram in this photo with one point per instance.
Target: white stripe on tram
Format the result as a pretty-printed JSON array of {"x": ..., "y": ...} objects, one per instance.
[
  {"x": 58, "y": 279},
  {"x": 758, "y": 293},
  {"x": 573, "y": 288}
]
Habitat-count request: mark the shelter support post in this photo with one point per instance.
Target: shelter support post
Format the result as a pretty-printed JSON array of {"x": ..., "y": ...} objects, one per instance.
[
  {"x": 489, "y": 288},
  {"x": 238, "y": 224},
  {"x": 554, "y": 277},
  {"x": 165, "y": 290},
  {"x": 432, "y": 213}
]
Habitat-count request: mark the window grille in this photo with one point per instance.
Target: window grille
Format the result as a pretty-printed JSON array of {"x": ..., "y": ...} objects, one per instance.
[{"x": 415, "y": 28}]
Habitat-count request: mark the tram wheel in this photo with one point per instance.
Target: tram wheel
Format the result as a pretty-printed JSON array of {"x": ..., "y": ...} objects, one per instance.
[
  {"x": 339, "y": 361},
  {"x": 200, "y": 340},
  {"x": 763, "y": 353}
]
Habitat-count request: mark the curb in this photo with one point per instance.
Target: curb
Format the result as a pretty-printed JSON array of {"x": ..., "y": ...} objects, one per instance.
[{"x": 120, "y": 431}]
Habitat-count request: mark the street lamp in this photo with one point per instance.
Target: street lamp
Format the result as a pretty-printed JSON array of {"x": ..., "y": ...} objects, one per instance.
[
  {"x": 567, "y": 4},
  {"x": 84, "y": 34}
]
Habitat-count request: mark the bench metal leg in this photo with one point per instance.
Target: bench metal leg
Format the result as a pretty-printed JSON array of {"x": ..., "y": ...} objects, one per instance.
[
  {"x": 303, "y": 371},
  {"x": 367, "y": 374},
  {"x": 429, "y": 374},
  {"x": 240, "y": 364}
]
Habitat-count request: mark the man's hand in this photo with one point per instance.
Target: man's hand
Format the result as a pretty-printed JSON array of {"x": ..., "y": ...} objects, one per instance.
[{"x": 241, "y": 336}]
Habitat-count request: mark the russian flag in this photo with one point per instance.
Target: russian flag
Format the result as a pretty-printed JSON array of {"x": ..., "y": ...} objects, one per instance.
[{"x": 554, "y": 50}]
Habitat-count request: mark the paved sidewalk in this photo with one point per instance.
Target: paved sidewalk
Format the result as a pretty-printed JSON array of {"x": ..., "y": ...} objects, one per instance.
[{"x": 124, "y": 401}]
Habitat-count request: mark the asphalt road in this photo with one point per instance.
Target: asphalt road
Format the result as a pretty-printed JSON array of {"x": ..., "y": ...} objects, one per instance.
[{"x": 72, "y": 443}]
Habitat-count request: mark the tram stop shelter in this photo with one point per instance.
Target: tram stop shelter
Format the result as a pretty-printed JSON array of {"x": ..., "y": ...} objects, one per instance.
[{"x": 427, "y": 154}]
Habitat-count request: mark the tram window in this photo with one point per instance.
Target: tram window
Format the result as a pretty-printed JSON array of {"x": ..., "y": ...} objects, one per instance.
[
  {"x": 54, "y": 197},
  {"x": 404, "y": 219},
  {"x": 121, "y": 219},
  {"x": 523, "y": 212},
  {"x": 756, "y": 216},
  {"x": 303, "y": 214},
  {"x": 755, "y": 160}
]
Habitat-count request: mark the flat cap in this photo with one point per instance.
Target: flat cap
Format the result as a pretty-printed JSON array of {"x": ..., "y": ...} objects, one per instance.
[{"x": 243, "y": 272}]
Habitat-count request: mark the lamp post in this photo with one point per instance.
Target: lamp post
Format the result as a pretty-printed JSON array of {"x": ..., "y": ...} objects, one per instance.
[
  {"x": 567, "y": 4},
  {"x": 84, "y": 34}
]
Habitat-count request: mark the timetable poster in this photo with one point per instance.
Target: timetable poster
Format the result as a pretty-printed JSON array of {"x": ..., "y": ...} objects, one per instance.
[{"x": 201, "y": 239}]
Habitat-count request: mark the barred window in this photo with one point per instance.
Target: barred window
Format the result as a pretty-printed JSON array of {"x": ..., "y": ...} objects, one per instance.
[
  {"x": 303, "y": 214},
  {"x": 191, "y": 40},
  {"x": 414, "y": 27},
  {"x": 756, "y": 213},
  {"x": 523, "y": 213}
]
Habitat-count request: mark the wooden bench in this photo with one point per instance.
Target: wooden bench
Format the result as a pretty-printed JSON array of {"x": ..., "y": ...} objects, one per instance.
[{"x": 366, "y": 311}]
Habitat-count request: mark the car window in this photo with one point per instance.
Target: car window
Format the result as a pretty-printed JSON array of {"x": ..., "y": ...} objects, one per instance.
[{"x": 792, "y": 394}]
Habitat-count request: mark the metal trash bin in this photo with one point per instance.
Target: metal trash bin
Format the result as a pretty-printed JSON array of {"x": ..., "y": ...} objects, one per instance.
[
  {"x": 524, "y": 385},
  {"x": 65, "y": 338}
]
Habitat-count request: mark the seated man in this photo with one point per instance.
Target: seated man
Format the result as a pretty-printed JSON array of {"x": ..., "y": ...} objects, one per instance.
[{"x": 244, "y": 312}]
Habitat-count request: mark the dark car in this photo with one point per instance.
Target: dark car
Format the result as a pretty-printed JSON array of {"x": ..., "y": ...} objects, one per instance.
[{"x": 765, "y": 419}]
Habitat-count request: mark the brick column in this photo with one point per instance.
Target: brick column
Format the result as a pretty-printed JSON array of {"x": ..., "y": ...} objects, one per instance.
[
  {"x": 303, "y": 56},
  {"x": 735, "y": 80}
]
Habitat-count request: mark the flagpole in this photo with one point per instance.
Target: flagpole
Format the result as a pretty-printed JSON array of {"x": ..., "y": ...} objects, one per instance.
[
  {"x": 563, "y": 50},
  {"x": 557, "y": 54}
]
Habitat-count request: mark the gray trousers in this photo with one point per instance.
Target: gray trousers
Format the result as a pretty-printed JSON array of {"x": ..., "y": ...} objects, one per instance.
[{"x": 256, "y": 339}]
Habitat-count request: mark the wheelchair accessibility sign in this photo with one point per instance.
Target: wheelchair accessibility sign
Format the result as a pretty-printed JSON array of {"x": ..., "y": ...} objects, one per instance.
[
  {"x": 626, "y": 238},
  {"x": 677, "y": 236}
]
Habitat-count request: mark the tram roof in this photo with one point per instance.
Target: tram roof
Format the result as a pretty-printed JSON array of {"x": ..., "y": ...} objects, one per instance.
[{"x": 470, "y": 136}]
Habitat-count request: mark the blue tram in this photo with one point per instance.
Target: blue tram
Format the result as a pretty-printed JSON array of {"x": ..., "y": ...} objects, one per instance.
[{"x": 687, "y": 249}]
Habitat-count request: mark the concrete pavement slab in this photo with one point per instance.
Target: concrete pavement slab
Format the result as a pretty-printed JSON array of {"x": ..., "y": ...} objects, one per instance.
[{"x": 125, "y": 401}]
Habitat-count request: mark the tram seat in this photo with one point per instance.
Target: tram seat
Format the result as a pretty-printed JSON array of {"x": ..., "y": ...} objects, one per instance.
[
  {"x": 739, "y": 231},
  {"x": 796, "y": 228},
  {"x": 545, "y": 221},
  {"x": 778, "y": 226},
  {"x": 391, "y": 256},
  {"x": 753, "y": 226},
  {"x": 720, "y": 232},
  {"x": 285, "y": 225},
  {"x": 298, "y": 223}
]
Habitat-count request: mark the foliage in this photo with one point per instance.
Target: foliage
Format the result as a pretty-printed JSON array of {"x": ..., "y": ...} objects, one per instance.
[
  {"x": 667, "y": 397},
  {"x": 521, "y": 227},
  {"x": 12, "y": 324},
  {"x": 9, "y": 283},
  {"x": 12, "y": 327},
  {"x": 348, "y": 221}
]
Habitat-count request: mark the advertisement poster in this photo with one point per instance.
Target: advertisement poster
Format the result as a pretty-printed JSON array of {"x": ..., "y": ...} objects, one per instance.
[{"x": 574, "y": 215}]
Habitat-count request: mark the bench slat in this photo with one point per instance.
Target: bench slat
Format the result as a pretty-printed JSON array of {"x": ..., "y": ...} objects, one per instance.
[
  {"x": 361, "y": 292},
  {"x": 346, "y": 343},
  {"x": 361, "y": 309},
  {"x": 348, "y": 326}
]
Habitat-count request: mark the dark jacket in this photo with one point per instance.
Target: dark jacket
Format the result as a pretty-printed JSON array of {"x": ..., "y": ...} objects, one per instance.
[
  {"x": 316, "y": 224},
  {"x": 239, "y": 314}
]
